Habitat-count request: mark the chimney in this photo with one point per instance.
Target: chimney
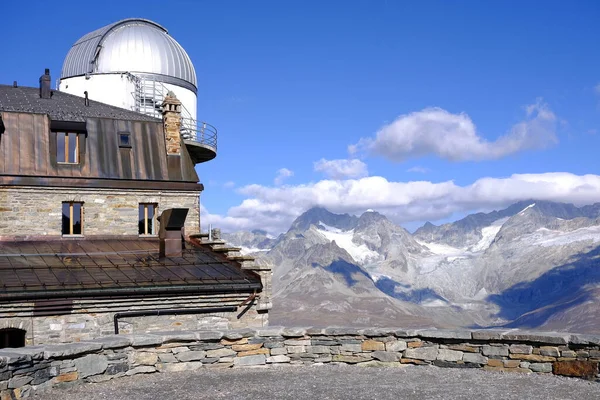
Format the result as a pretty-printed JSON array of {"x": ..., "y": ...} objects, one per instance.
[
  {"x": 215, "y": 234},
  {"x": 171, "y": 111},
  {"x": 171, "y": 232},
  {"x": 86, "y": 100},
  {"x": 45, "y": 90}
]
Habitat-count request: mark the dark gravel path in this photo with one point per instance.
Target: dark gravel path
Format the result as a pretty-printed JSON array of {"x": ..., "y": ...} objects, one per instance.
[{"x": 333, "y": 382}]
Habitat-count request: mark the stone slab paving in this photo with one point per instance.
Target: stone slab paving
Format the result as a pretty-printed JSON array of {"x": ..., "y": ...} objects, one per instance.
[{"x": 333, "y": 382}]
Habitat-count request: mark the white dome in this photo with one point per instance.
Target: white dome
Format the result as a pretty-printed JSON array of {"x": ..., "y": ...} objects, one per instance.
[{"x": 138, "y": 46}]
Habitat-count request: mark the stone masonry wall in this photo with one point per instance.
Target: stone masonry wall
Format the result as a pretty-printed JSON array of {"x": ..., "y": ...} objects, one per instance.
[
  {"x": 38, "y": 211},
  {"x": 24, "y": 371},
  {"x": 92, "y": 318}
]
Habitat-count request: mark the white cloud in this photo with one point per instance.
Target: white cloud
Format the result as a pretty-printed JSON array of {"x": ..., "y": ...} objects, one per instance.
[
  {"x": 455, "y": 137},
  {"x": 342, "y": 169},
  {"x": 418, "y": 169},
  {"x": 282, "y": 175},
  {"x": 229, "y": 185},
  {"x": 274, "y": 208}
]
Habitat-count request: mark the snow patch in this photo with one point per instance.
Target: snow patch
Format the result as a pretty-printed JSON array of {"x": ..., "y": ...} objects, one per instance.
[
  {"x": 442, "y": 249},
  {"x": 328, "y": 228},
  {"x": 454, "y": 258},
  {"x": 360, "y": 253},
  {"x": 482, "y": 294},
  {"x": 547, "y": 238},
  {"x": 377, "y": 276},
  {"x": 248, "y": 250},
  {"x": 488, "y": 234},
  {"x": 525, "y": 209},
  {"x": 434, "y": 303}
]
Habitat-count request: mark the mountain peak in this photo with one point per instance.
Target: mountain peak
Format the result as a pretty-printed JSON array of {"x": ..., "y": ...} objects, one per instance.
[
  {"x": 370, "y": 217},
  {"x": 317, "y": 215},
  {"x": 427, "y": 227}
]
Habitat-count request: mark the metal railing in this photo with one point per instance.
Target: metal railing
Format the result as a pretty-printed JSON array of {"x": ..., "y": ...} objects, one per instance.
[
  {"x": 149, "y": 95},
  {"x": 200, "y": 132}
]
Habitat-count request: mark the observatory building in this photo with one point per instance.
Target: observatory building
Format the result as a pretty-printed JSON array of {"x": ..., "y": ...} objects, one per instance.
[
  {"x": 100, "y": 200},
  {"x": 133, "y": 64}
]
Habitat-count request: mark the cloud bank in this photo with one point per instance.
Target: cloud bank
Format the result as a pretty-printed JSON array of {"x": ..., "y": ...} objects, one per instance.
[
  {"x": 274, "y": 208},
  {"x": 454, "y": 137}
]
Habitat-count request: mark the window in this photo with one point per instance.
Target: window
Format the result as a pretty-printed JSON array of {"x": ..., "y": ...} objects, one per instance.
[
  {"x": 124, "y": 140},
  {"x": 12, "y": 337},
  {"x": 72, "y": 218},
  {"x": 67, "y": 147},
  {"x": 147, "y": 219}
]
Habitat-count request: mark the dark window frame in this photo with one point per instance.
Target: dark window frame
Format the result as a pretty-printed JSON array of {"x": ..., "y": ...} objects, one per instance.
[
  {"x": 70, "y": 139},
  {"x": 68, "y": 127},
  {"x": 67, "y": 223},
  {"x": 127, "y": 143},
  {"x": 145, "y": 228}
]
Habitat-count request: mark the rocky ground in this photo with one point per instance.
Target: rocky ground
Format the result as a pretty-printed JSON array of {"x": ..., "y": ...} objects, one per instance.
[{"x": 333, "y": 382}]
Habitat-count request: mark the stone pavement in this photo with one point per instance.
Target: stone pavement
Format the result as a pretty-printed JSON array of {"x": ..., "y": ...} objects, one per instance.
[{"x": 333, "y": 382}]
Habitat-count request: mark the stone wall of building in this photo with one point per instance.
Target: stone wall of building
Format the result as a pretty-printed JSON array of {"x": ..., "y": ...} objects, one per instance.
[
  {"x": 92, "y": 318},
  {"x": 26, "y": 211},
  {"x": 27, "y": 370}
]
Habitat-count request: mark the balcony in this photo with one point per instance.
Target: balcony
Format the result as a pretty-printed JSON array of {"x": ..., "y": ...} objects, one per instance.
[{"x": 200, "y": 139}]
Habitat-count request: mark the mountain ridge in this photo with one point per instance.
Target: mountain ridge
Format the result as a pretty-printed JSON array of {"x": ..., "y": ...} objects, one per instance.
[{"x": 467, "y": 277}]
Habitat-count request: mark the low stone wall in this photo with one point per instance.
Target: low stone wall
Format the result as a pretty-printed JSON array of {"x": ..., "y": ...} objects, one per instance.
[{"x": 29, "y": 369}]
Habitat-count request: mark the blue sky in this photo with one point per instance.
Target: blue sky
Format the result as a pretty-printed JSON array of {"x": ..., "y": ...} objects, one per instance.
[{"x": 422, "y": 92}]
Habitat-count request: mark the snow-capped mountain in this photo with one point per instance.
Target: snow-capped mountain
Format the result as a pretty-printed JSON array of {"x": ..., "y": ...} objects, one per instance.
[
  {"x": 534, "y": 265},
  {"x": 467, "y": 231},
  {"x": 319, "y": 215},
  {"x": 251, "y": 242}
]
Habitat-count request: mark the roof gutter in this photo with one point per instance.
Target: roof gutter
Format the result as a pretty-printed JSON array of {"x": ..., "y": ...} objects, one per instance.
[
  {"x": 150, "y": 290},
  {"x": 169, "y": 311}
]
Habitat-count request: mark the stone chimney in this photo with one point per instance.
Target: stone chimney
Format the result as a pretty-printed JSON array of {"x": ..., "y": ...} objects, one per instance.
[
  {"x": 45, "y": 89},
  {"x": 171, "y": 232},
  {"x": 171, "y": 110}
]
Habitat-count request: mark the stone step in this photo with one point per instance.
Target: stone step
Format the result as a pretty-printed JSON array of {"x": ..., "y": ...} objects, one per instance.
[
  {"x": 241, "y": 258},
  {"x": 200, "y": 235},
  {"x": 226, "y": 249},
  {"x": 214, "y": 242}
]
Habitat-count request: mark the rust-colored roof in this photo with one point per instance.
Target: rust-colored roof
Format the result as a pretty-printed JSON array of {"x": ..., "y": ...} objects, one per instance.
[
  {"x": 28, "y": 151},
  {"x": 76, "y": 268}
]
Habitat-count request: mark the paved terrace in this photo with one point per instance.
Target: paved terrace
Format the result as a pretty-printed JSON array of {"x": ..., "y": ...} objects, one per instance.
[{"x": 333, "y": 382}]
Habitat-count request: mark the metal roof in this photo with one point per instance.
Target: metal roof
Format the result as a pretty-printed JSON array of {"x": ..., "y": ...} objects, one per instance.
[
  {"x": 81, "y": 268},
  {"x": 134, "y": 45},
  {"x": 62, "y": 106}
]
